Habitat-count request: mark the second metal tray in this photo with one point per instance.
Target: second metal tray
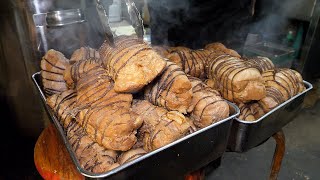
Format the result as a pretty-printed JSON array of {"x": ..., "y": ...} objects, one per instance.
[
  {"x": 172, "y": 161},
  {"x": 245, "y": 135}
]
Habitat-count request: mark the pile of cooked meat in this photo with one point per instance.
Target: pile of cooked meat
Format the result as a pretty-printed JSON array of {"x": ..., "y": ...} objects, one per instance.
[
  {"x": 254, "y": 84},
  {"x": 120, "y": 102}
]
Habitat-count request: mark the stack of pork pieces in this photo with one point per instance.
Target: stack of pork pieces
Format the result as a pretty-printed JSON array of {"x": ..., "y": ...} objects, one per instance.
[
  {"x": 254, "y": 84},
  {"x": 120, "y": 102}
]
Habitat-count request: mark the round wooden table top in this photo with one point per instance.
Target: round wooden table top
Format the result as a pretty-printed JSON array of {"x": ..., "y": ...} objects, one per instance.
[
  {"x": 53, "y": 162},
  {"x": 51, "y": 157}
]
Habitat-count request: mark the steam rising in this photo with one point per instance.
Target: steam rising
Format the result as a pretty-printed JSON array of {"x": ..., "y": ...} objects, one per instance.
[
  {"x": 184, "y": 22},
  {"x": 274, "y": 17},
  {"x": 217, "y": 20},
  {"x": 68, "y": 38},
  {"x": 165, "y": 14}
]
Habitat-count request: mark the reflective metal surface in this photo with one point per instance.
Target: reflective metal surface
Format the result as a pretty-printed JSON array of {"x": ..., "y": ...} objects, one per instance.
[
  {"x": 64, "y": 17},
  {"x": 135, "y": 18},
  {"x": 172, "y": 161},
  {"x": 20, "y": 59},
  {"x": 25, "y": 37},
  {"x": 310, "y": 50},
  {"x": 102, "y": 12},
  {"x": 245, "y": 135}
]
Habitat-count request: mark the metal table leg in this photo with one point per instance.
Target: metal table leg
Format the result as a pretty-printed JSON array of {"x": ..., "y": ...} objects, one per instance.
[{"x": 278, "y": 154}]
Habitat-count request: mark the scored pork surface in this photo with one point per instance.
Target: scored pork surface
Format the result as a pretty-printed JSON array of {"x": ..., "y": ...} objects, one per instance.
[
  {"x": 207, "y": 105},
  {"x": 160, "y": 126},
  {"x": 261, "y": 63},
  {"x": 132, "y": 63},
  {"x": 77, "y": 70},
  {"x": 130, "y": 155},
  {"x": 234, "y": 78},
  {"x": 216, "y": 46},
  {"x": 105, "y": 114},
  {"x": 171, "y": 90},
  {"x": 85, "y": 53},
  {"x": 281, "y": 85},
  {"x": 53, "y": 64},
  {"x": 91, "y": 155},
  {"x": 192, "y": 62}
]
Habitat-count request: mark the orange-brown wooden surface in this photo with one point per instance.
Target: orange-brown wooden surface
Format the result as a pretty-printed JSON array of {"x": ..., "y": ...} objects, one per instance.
[
  {"x": 51, "y": 157},
  {"x": 196, "y": 175},
  {"x": 278, "y": 154}
]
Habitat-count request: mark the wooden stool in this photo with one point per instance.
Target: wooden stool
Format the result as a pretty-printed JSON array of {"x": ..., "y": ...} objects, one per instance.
[
  {"x": 278, "y": 154},
  {"x": 197, "y": 175},
  {"x": 51, "y": 157},
  {"x": 53, "y": 161}
]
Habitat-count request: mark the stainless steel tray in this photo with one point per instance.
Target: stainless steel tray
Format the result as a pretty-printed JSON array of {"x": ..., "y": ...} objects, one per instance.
[
  {"x": 245, "y": 135},
  {"x": 172, "y": 161}
]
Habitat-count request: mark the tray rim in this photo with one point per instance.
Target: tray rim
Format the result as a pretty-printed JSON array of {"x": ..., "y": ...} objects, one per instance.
[
  {"x": 309, "y": 87},
  {"x": 254, "y": 48},
  {"x": 130, "y": 163}
]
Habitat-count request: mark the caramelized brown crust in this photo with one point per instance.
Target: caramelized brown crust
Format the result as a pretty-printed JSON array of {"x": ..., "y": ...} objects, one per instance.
[
  {"x": 53, "y": 64},
  {"x": 234, "y": 78},
  {"x": 207, "y": 106},
  {"x": 289, "y": 82},
  {"x": 172, "y": 90},
  {"x": 191, "y": 61},
  {"x": 161, "y": 50},
  {"x": 220, "y": 47},
  {"x": 105, "y": 50},
  {"x": 85, "y": 53},
  {"x": 215, "y": 46},
  {"x": 106, "y": 114},
  {"x": 63, "y": 104},
  {"x": 130, "y": 155},
  {"x": 132, "y": 63},
  {"x": 92, "y": 156},
  {"x": 281, "y": 85},
  {"x": 272, "y": 99},
  {"x": 210, "y": 83},
  {"x": 76, "y": 71},
  {"x": 246, "y": 113},
  {"x": 160, "y": 127},
  {"x": 257, "y": 110},
  {"x": 261, "y": 63},
  {"x": 178, "y": 48}
]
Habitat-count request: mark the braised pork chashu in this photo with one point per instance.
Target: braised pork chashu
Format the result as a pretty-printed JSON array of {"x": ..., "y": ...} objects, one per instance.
[
  {"x": 85, "y": 53},
  {"x": 192, "y": 62},
  {"x": 53, "y": 64},
  {"x": 281, "y": 85},
  {"x": 162, "y": 50},
  {"x": 91, "y": 155},
  {"x": 171, "y": 90},
  {"x": 207, "y": 105},
  {"x": 261, "y": 63},
  {"x": 80, "y": 68},
  {"x": 234, "y": 78},
  {"x": 105, "y": 114},
  {"x": 219, "y": 47},
  {"x": 160, "y": 126},
  {"x": 131, "y": 155},
  {"x": 131, "y": 63},
  {"x": 245, "y": 112}
]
